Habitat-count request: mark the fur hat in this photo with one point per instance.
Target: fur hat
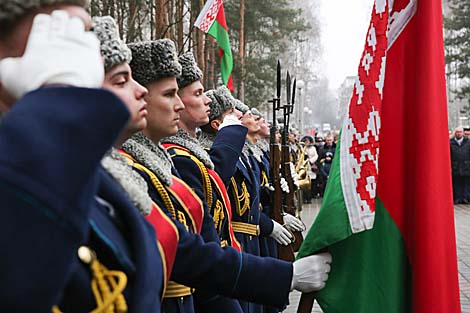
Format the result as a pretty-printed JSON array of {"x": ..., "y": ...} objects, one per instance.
[
  {"x": 222, "y": 100},
  {"x": 153, "y": 60},
  {"x": 11, "y": 10},
  {"x": 256, "y": 112},
  {"x": 190, "y": 71},
  {"x": 113, "y": 49},
  {"x": 240, "y": 106}
]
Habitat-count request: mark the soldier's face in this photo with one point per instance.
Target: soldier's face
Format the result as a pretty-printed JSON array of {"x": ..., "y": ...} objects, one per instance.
[
  {"x": 248, "y": 120},
  {"x": 14, "y": 44},
  {"x": 119, "y": 81},
  {"x": 264, "y": 128},
  {"x": 165, "y": 107},
  {"x": 196, "y": 112}
]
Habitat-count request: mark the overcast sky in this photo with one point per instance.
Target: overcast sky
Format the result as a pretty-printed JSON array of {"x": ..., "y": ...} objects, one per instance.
[{"x": 344, "y": 26}]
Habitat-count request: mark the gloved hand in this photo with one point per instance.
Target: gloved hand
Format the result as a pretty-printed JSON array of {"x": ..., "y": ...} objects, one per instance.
[
  {"x": 294, "y": 175},
  {"x": 281, "y": 235},
  {"x": 271, "y": 187},
  {"x": 229, "y": 120},
  {"x": 284, "y": 185},
  {"x": 311, "y": 273},
  {"x": 293, "y": 223},
  {"x": 59, "y": 51}
]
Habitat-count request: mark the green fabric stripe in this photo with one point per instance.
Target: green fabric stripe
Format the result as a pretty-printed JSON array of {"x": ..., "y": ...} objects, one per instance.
[
  {"x": 332, "y": 215},
  {"x": 221, "y": 36},
  {"x": 370, "y": 271}
]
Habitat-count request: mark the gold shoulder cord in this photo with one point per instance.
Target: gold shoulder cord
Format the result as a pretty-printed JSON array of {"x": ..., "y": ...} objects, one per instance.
[
  {"x": 264, "y": 178},
  {"x": 206, "y": 181},
  {"x": 243, "y": 198},
  {"x": 107, "y": 286}
]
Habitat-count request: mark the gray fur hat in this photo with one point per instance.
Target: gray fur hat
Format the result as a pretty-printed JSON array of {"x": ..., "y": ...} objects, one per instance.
[
  {"x": 113, "y": 49},
  {"x": 256, "y": 112},
  {"x": 240, "y": 106},
  {"x": 11, "y": 10},
  {"x": 153, "y": 60},
  {"x": 222, "y": 100},
  {"x": 190, "y": 71}
]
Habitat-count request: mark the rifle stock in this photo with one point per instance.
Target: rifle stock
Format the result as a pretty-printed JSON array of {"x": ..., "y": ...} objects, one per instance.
[{"x": 306, "y": 302}]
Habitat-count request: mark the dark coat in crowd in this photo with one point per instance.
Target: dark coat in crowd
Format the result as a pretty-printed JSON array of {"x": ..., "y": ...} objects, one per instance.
[{"x": 460, "y": 157}]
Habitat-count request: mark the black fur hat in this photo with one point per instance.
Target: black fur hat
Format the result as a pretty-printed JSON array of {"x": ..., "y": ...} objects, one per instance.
[
  {"x": 190, "y": 71},
  {"x": 113, "y": 49},
  {"x": 153, "y": 60}
]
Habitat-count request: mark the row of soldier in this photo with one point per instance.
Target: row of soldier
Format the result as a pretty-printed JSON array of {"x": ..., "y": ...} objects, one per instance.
[{"x": 110, "y": 202}]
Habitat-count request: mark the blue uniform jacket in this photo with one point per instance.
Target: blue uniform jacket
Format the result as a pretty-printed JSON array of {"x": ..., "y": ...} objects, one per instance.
[
  {"x": 51, "y": 144},
  {"x": 227, "y": 272},
  {"x": 224, "y": 153}
]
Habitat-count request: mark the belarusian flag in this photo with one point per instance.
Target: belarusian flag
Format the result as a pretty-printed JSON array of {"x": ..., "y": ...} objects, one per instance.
[
  {"x": 212, "y": 21},
  {"x": 387, "y": 215}
]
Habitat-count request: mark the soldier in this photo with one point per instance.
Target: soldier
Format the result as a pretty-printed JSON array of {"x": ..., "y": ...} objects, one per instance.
[
  {"x": 226, "y": 271},
  {"x": 66, "y": 241},
  {"x": 267, "y": 247}
]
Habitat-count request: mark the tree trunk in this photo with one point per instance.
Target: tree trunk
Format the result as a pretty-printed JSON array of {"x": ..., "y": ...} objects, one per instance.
[
  {"x": 180, "y": 24},
  {"x": 213, "y": 61},
  {"x": 161, "y": 17},
  {"x": 241, "y": 52},
  {"x": 200, "y": 43}
]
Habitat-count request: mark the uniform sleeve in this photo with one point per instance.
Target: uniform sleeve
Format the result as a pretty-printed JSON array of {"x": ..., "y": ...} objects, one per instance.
[
  {"x": 266, "y": 224},
  {"x": 47, "y": 184},
  {"x": 230, "y": 273},
  {"x": 226, "y": 150}
]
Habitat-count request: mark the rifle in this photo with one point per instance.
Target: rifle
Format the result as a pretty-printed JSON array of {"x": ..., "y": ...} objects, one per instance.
[
  {"x": 284, "y": 253},
  {"x": 289, "y": 199}
]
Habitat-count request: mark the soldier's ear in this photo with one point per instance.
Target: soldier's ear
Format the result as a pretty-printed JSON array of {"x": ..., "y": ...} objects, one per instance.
[{"x": 215, "y": 124}]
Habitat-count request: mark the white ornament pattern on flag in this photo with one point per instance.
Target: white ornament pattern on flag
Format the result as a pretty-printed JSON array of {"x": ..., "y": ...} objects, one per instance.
[
  {"x": 209, "y": 16},
  {"x": 360, "y": 133},
  {"x": 361, "y": 130}
]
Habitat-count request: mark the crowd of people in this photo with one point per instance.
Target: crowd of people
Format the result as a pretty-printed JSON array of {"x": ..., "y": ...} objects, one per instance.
[{"x": 112, "y": 200}]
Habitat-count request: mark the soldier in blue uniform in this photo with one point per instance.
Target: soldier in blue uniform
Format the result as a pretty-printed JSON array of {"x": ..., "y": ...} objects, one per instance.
[
  {"x": 66, "y": 251},
  {"x": 192, "y": 265}
]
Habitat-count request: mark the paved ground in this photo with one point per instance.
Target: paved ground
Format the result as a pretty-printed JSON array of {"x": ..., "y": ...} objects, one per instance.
[{"x": 462, "y": 225}]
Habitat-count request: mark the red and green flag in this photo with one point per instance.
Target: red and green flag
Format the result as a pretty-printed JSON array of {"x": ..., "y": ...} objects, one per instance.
[
  {"x": 212, "y": 21},
  {"x": 387, "y": 215}
]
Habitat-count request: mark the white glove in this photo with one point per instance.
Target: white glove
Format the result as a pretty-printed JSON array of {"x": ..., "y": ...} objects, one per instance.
[
  {"x": 293, "y": 223},
  {"x": 311, "y": 273},
  {"x": 230, "y": 120},
  {"x": 59, "y": 51},
  {"x": 281, "y": 235},
  {"x": 271, "y": 187},
  {"x": 284, "y": 185},
  {"x": 294, "y": 175}
]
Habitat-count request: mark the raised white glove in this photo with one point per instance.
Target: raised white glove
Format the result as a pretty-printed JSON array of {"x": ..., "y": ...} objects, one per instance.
[
  {"x": 311, "y": 273},
  {"x": 59, "y": 51},
  {"x": 281, "y": 235},
  {"x": 294, "y": 175},
  {"x": 284, "y": 185},
  {"x": 230, "y": 120},
  {"x": 293, "y": 223}
]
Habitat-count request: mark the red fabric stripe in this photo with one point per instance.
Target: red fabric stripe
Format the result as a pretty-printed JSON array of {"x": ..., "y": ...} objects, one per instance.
[
  {"x": 414, "y": 165},
  {"x": 221, "y": 17},
  {"x": 167, "y": 236},
  {"x": 191, "y": 203},
  {"x": 222, "y": 191}
]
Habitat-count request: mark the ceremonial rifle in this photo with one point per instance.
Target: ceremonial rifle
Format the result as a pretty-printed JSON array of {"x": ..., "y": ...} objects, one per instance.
[
  {"x": 289, "y": 199},
  {"x": 285, "y": 253}
]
